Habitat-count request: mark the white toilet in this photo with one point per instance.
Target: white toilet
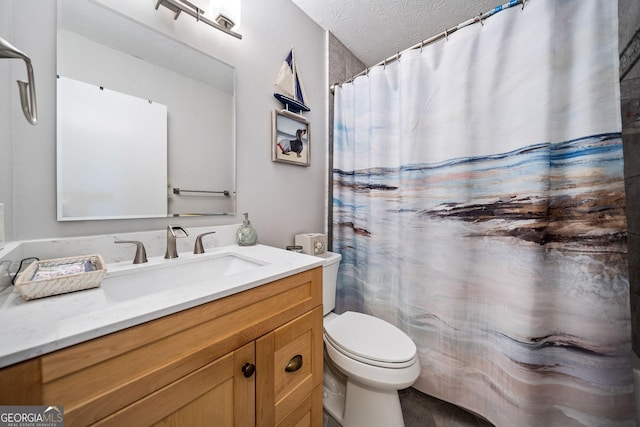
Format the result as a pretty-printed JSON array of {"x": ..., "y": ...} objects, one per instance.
[{"x": 367, "y": 361}]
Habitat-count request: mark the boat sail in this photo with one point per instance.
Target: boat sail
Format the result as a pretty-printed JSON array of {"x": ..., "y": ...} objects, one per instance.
[{"x": 288, "y": 87}]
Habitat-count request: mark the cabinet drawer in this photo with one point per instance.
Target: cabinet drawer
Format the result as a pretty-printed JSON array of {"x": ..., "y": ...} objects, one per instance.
[
  {"x": 289, "y": 367},
  {"x": 307, "y": 413}
]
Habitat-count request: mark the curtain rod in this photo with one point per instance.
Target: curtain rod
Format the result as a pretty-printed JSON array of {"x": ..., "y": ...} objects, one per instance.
[{"x": 433, "y": 39}]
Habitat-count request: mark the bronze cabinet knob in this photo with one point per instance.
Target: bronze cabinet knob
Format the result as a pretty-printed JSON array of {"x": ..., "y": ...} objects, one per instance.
[{"x": 248, "y": 369}]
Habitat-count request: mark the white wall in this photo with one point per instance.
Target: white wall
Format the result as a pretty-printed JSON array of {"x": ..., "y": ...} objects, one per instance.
[{"x": 282, "y": 199}]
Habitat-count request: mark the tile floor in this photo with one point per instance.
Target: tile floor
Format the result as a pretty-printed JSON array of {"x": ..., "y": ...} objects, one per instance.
[{"x": 421, "y": 410}]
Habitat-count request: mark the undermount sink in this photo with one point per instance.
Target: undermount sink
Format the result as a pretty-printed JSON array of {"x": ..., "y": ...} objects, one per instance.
[{"x": 143, "y": 280}]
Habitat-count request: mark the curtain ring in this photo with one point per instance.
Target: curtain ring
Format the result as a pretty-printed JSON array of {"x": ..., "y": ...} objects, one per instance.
[
  {"x": 398, "y": 56},
  {"x": 446, "y": 34},
  {"x": 523, "y": 2}
]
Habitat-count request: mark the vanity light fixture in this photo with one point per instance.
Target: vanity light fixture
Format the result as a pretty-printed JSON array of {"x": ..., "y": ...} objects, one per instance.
[{"x": 224, "y": 21}]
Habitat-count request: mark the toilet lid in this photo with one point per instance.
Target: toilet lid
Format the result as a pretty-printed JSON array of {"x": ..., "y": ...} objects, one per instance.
[{"x": 369, "y": 338}]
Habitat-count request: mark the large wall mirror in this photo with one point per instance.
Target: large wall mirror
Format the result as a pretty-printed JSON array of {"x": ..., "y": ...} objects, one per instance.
[{"x": 145, "y": 123}]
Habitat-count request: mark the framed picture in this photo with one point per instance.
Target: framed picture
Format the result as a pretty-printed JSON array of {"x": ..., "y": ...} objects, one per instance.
[{"x": 291, "y": 140}]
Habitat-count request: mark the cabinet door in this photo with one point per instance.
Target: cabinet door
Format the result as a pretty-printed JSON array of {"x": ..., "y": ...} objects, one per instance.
[
  {"x": 218, "y": 394},
  {"x": 289, "y": 369}
]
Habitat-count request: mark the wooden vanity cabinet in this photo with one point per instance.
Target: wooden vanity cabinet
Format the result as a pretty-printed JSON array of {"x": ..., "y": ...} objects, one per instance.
[{"x": 253, "y": 358}]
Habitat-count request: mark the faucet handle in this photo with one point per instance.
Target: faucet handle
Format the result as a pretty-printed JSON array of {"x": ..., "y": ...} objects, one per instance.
[
  {"x": 199, "y": 248},
  {"x": 141, "y": 253}
]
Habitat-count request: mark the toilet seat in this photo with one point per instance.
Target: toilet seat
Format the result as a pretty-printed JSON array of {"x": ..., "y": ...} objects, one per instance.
[{"x": 370, "y": 340}]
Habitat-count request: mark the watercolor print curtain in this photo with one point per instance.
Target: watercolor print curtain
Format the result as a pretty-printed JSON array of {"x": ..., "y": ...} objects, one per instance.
[{"x": 479, "y": 206}]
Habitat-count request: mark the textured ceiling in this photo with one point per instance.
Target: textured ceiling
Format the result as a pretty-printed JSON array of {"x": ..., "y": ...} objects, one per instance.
[{"x": 374, "y": 30}]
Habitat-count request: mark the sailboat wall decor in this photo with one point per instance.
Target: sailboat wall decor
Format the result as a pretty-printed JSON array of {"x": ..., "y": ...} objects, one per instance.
[{"x": 288, "y": 87}]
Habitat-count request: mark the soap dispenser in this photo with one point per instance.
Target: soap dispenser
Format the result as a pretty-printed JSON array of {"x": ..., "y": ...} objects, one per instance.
[{"x": 246, "y": 234}]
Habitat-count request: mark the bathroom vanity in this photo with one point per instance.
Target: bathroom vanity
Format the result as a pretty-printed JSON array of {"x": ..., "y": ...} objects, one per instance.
[{"x": 252, "y": 357}]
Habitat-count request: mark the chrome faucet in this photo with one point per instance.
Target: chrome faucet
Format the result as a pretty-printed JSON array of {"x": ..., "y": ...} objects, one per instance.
[{"x": 172, "y": 252}]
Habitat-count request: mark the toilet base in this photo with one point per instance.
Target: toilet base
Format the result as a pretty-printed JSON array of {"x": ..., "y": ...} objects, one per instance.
[
  {"x": 353, "y": 404},
  {"x": 366, "y": 407},
  {"x": 333, "y": 391}
]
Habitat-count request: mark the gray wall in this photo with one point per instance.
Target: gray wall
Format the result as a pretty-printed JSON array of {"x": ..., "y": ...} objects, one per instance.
[
  {"x": 282, "y": 199},
  {"x": 629, "y": 17},
  {"x": 6, "y": 98}
]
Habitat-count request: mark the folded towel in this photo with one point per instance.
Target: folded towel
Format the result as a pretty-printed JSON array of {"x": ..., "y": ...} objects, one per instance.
[{"x": 52, "y": 271}]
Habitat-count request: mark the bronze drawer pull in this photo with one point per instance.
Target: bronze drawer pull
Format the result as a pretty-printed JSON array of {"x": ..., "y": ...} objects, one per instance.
[
  {"x": 248, "y": 369},
  {"x": 294, "y": 364}
]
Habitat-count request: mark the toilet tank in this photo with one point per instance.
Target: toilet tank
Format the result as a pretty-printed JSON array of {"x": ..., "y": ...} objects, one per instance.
[{"x": 329, "y": 280}]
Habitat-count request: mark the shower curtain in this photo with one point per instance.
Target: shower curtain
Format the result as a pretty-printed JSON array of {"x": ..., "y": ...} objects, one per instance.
[{"x": 479, "y": 206}]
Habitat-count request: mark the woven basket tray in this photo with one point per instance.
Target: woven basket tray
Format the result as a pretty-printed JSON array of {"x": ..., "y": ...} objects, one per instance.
[{"x": 32, "y": 289}]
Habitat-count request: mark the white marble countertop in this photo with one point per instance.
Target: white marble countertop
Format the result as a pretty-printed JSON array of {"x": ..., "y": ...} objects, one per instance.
[{"x": 32, "y": 328}]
